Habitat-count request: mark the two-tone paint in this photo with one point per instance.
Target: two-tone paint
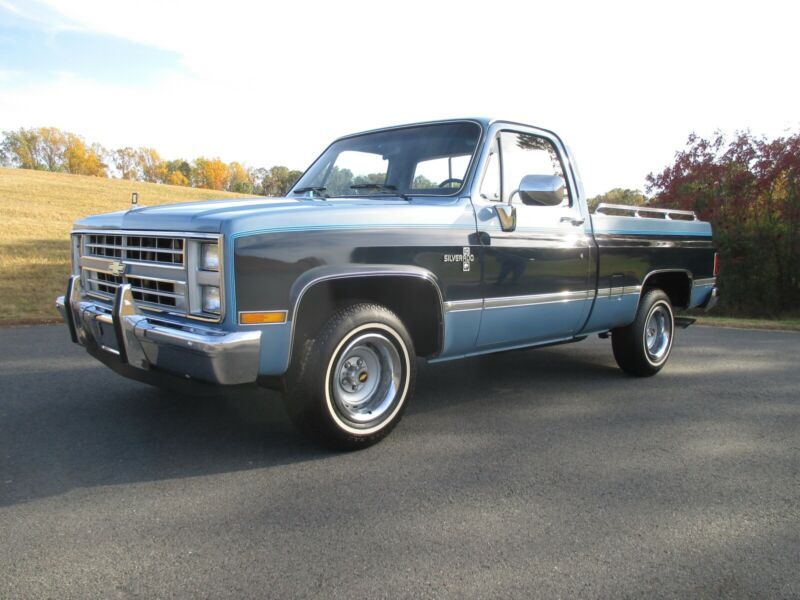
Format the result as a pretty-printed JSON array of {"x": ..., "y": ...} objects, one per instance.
[{"x": 561, "y": 274}]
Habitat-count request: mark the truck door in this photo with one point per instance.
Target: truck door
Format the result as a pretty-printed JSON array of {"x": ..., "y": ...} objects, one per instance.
[{"x": 536, "y": 277}]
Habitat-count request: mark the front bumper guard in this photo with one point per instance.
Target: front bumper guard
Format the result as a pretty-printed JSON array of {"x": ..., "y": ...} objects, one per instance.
[{"x": 145, "y": 342}]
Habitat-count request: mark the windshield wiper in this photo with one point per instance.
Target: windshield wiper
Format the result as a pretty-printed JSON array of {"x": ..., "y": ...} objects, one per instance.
[
  {"x": 315, "y": 189},
  {"x": 381, "y": 187}
]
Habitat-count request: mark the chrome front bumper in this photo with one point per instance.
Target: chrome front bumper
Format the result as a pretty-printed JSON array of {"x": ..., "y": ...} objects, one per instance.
[{"x": 148, "y": 343}]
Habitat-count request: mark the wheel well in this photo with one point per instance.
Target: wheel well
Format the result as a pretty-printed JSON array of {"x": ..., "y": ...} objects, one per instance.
[
  {"x": 415, "y": 300},
  {"x": 675, "y": 284}
]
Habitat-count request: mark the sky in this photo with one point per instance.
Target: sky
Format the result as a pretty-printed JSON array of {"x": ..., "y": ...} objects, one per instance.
[{"x": 624, "y": 83}]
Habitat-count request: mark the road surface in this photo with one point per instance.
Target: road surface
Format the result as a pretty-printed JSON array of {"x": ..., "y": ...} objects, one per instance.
[{"x": 544, "y": 473}]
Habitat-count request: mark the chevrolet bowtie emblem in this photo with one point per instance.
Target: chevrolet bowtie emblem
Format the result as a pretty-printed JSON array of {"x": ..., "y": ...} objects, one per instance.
[{"x": 116, "y": 268}]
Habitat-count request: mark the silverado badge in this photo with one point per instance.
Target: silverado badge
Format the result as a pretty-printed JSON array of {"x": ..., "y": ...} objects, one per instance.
[
  {"x": 465, "y": 258},
  {"x": 117, "y": 268}
]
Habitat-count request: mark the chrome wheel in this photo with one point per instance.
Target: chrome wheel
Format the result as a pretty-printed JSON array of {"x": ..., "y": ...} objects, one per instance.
[
  {"x": 658, "y": 333},
  {"x": 366, "y": 379}
]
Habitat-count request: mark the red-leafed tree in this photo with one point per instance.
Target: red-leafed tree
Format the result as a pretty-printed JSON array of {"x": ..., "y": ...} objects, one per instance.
[{"x": 749, "y": 188}]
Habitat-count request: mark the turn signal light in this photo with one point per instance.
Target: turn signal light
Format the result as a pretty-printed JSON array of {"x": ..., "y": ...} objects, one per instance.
[{"x": 262, "y": 317}]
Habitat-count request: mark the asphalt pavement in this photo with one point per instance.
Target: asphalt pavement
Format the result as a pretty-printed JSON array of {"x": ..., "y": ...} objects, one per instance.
[{"x": 538, "y": 474}]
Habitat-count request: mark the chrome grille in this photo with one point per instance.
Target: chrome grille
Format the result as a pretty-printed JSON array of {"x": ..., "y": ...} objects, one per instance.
[
  {"x": 162, "y": 269},
  {"x": 148, "y": 249},
  {"x": 105, "y": 283},
  {"x": 153, "y": 291},
  {"x": 106, "y": 246},
  {"x": 145, "y": 289}
]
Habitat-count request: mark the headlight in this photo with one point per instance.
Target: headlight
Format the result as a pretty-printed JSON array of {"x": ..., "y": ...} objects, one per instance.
[
  {"x": 209, "y": 260},
  {"x": 211, "y": 299}
]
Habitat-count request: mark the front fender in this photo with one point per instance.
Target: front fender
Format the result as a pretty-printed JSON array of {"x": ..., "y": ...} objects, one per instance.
[{"x": 278, "y": 340}]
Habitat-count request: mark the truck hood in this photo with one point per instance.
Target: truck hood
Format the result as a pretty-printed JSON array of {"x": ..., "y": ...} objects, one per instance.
[
  {"x": 208, "y": 216},
  {"x": 253, "y": 214}
]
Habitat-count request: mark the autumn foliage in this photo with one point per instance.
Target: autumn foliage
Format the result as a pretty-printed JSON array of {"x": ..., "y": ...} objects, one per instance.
[
  {"x": 749, "y": 188},
  {"x": 50, "y": 149}
]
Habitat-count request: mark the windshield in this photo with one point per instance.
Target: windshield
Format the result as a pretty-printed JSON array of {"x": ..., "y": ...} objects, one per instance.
[{"x": 429, "y": 160}]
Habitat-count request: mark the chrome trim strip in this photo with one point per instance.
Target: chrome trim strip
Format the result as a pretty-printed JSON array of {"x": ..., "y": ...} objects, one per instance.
[
  {"x": 706, "y": 281},
  {"x": 514, "y": 301},
  {"x": 136, "y": 263},
  {"x": 136, "y": 248},
  {"x": 463, "y": 305},
  {"x": 615, "y": 292},
  {"x": 150, "y": 232},
  {"x": 136, "y": 276}
]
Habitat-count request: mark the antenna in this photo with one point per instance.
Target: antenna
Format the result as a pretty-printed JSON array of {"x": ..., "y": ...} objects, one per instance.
[{"x": 134, "y": 199}]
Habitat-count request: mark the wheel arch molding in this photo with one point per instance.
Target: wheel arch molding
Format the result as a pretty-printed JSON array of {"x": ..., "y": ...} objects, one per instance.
[
  {"x": 411, "y": 292},
  {"x": 676, "y": 284}
]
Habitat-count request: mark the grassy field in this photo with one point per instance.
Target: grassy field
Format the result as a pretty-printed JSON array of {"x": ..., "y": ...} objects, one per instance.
[{"x": 37, "y": 210}]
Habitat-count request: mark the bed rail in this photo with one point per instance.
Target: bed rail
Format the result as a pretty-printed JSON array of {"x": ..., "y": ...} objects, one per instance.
[{"x": 642, "y": 212}]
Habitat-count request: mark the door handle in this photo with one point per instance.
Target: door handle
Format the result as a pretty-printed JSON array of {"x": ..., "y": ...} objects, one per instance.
[{"x": 573, "y": 221}]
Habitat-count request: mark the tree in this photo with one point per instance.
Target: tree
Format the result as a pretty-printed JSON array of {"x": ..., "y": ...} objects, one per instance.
[
  {"x": 177, "y": 178},
  {"x": 619, "y": 196},
  {"x": 210, "y": 173},
  {"x": 279, "y": 180},
  {"x": 80, "y": 159},
  {"x": 749, "y": 188},
  {"x": 257, "y": 176},
  {"x": 126, "y": 163},
  {"x": 239, "y": 180},
  {"x": 180, "y": 166},
  {"x": 21, "y": 148},
  {"x": 52, "y": 147},
  {"x": 151, "y": 167},
  {"x": 339, "y": 181}
]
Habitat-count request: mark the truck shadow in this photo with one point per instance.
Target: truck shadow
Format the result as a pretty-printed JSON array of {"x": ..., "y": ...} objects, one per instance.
[
  {"x": 83, "y": 426},
  {"x": 67, "y": 422}
]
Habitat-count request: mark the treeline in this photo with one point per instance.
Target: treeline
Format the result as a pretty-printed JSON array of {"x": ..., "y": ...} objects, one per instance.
[
  {"x": 50, "y": 149},
  {"x": 749, "y": 188}
]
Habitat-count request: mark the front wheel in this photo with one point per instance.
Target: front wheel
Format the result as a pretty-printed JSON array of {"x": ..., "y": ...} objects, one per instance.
[
  {"x": 643, "y": 347},
  {"x": 348, "y": 387}
]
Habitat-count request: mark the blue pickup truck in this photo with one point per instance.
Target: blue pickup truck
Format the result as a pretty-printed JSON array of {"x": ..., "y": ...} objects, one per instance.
[{"x": 436, "y": 240}]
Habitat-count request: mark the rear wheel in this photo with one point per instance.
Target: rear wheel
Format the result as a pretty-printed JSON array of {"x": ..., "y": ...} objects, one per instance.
[
  {"x": 643, "y": 347},
  {"x": 348, "y": 387}
]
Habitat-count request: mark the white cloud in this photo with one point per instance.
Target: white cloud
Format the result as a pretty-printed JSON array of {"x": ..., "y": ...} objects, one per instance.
[{"x": 623, "y": 82}]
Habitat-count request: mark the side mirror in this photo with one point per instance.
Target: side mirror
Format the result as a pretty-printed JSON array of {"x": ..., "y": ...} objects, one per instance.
[{"x": 542, "y": 190}]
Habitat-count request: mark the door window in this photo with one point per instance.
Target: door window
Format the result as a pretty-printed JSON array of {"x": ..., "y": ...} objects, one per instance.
[
  {"x": 490, "y": 186},
  {"x": 526, "y": 154}
]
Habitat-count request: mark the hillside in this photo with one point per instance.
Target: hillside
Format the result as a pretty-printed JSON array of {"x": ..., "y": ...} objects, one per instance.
[{"x": 37, "y": 209}]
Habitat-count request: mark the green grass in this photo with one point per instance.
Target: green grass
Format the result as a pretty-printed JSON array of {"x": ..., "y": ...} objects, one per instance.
[
  {"x": 782, "y": 324},
  {"x": 37, "y": 210}
]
